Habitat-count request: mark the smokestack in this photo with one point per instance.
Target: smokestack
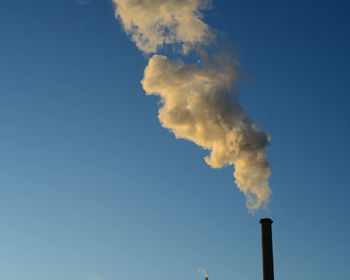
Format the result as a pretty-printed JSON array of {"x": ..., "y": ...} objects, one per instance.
[{"x": 267, "y": 251}]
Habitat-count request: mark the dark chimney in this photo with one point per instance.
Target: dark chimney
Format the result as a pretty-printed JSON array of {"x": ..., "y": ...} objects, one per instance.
[{"x": 267, "y": 252}]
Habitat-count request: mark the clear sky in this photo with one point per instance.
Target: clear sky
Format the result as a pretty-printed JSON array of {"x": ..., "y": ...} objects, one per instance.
[{"x": 93, "y": 188}]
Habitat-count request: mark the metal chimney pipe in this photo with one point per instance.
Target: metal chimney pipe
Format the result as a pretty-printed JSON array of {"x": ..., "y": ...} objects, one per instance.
[{"x": 267, "y": 251}]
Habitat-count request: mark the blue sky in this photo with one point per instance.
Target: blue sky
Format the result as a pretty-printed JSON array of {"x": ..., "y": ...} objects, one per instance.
[{"x": 92, "y": 187}]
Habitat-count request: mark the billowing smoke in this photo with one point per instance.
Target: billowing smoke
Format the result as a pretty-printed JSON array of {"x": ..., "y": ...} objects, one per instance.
[
  {"x": 199, "y": 100},
  {"x": 154, "y": 23},
  {"x": 199, "y": 104}
]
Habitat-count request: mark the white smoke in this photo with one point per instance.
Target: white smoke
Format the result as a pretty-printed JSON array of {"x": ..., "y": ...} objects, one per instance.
[
  {"x": 199, "y": 105},
  {"x": 199, "y": 101},
  {"x": 203, "y": 272},
  {"x": 153, "y": 23}
]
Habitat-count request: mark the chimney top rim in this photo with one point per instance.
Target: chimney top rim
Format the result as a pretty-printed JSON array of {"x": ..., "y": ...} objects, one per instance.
[{"x": 266, "y": 220}]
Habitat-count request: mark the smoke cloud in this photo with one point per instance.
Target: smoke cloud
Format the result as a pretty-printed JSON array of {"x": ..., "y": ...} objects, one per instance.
[
  {"x": 154, "y": 23},
  {"x": 199, "y": 104},
  {"x": 199, "y": 100}
]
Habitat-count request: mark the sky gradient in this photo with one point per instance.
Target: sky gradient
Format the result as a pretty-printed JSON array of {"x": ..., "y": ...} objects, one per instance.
[{"x": 92, "y": 187}]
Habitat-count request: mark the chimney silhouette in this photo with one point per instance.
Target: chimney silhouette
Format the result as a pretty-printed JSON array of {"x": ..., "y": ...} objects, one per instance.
[{"x": 267, "y": 251}]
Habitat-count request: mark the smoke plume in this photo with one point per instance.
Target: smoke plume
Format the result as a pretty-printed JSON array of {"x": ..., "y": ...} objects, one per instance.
[
  {"x": 202, "y": 271},
  {"x": 199, "y": 100},
  {"x": 154, "y": 23}
]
